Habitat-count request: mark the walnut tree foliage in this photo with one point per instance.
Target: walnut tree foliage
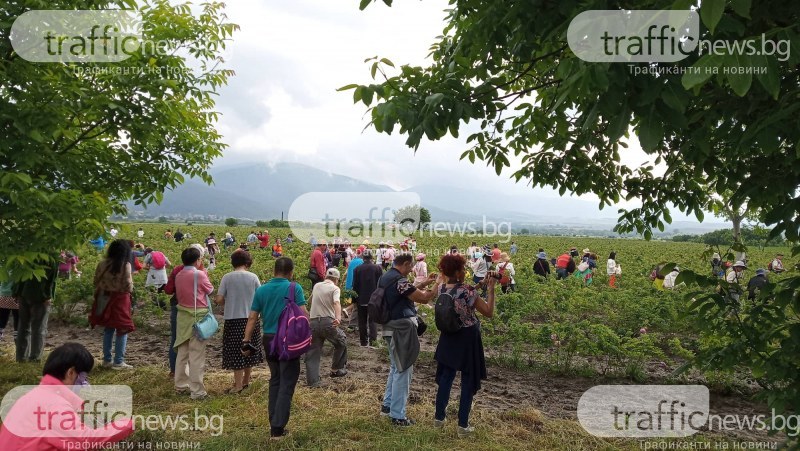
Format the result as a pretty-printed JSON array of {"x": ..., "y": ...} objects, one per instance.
[
  {"x": 79, "y": 139},
  {"x": 506, "y": 65}
]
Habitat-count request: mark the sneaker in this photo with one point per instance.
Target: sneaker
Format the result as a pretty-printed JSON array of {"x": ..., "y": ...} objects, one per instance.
[
  {"x": 405, "y": 422},
  {"x": 200, "y": 397},
  {"x": 121, "y": 366},
  {"x": 339, "y": 373},
  {"x": 465, "y": 432},
  {"x": 106, "y": 364},
  {"x": 438, "y": 424},
  {"x": 385, "y": 411}
]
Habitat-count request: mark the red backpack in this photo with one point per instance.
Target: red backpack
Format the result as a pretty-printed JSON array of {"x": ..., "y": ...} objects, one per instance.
[
  {"x": 158, "y": 260},
  {"x": 563, "y": 261},
  {"x": 293, "y": 337}
]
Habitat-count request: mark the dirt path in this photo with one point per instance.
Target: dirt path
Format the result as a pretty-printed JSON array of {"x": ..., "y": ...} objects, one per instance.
[{"x": 505, "y": 389}]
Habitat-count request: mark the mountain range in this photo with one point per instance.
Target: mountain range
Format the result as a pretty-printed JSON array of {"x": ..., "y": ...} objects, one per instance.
[{"x": 257, "y": 191}]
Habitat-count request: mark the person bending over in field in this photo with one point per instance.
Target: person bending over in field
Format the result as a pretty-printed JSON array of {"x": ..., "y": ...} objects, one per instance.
[{"x": 461, "y": 350}]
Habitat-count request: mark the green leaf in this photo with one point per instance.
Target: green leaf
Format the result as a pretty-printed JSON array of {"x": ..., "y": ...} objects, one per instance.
[
  {"x": 674, "y": 98},
  {"x": 739, "y": 76},
  {"x": 683, "y": 4},
  {"x": 711, "y": 13},
  {"x": 650, "y": 132},
  {"x": 742, "y": 7},
  {"x": 347, "y": 87},
  {"x": 366, "y": 95},
  {"x": 770, "y": 80},
  {"x": 701, "y": 71},
  {"x": 434, "y": 100},
  {"x": 699, "y": 215},
  {"x": 36, "y": 135}
]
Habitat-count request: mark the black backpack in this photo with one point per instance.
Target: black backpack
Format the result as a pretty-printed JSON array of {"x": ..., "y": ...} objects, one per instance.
[
  {"x": 447, "y": 319},
  {"x": 378, "y": 307}
]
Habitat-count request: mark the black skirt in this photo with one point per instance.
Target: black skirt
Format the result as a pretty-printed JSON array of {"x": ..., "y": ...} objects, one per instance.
[
  {"x": 463, "y": 351},
  {"x": 232, "y": 336}
]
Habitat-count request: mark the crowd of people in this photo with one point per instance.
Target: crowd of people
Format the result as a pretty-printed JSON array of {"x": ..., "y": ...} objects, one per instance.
[
  {"x": 732, "y": 273},
  {"x": 252, "y": 311}
]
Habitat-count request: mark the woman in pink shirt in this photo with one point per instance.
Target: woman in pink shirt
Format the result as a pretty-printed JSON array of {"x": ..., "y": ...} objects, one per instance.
[
  {"x": 192, "y": 306},
  {"x": 66, "y": 368},
  {"x": 420, "y": 269}
]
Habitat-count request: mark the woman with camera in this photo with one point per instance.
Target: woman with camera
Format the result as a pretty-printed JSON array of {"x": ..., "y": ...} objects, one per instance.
[{"x": 462, "y": 350}]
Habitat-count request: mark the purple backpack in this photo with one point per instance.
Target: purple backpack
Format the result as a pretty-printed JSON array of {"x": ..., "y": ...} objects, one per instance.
[{"x": 294, "y": 331}]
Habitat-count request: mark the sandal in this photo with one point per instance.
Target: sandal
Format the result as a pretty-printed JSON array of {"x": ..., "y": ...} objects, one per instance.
[{"x": 234, "y": 390}]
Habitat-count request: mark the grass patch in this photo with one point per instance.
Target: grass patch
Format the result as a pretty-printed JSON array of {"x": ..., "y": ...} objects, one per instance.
[{"x": 341, "y": 416}]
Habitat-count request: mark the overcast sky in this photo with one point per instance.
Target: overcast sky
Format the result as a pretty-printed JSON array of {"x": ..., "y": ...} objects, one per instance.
[{"x": 282, "y": 105}]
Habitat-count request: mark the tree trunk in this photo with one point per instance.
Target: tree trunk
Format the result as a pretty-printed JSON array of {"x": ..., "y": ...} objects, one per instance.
[
  {"x": 737, "y": 235},
  {"x": 737, "y": 227}
]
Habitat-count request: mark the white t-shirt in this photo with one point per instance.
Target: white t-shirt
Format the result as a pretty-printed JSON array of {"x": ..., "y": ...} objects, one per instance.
[
  {"x": 611, "y": 266},
  {"x": 732, "y": 278},
  {"x": 156, "y": 277},
  {"x": 238, "y": 289},
  {"x": 669, "y": 279},
  {"x": 479, "y": 268},
  {"x": 140, "y": 233},
  {"x": 113, "y": 232},
  {"x": 323, "y": 297}
]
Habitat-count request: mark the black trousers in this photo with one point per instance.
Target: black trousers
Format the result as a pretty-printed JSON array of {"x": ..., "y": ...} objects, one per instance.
[
  {"x": 363, "y": 313},
  {"x": 4, "y": 314},
  {"x": 282, "y": 382}
]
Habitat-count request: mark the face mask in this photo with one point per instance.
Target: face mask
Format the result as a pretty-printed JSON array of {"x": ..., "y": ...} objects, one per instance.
[{"x": 82, "y": 380}]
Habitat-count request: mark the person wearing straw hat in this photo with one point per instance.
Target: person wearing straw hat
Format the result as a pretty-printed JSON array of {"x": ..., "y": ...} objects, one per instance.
[
  {"x": 541, "y": 266},
  {"x": 736, "y": 274},
  {"x": 507, "y": 273},
  {"x": 420, "y": 269},
  {"x": 777, "y": 264}
]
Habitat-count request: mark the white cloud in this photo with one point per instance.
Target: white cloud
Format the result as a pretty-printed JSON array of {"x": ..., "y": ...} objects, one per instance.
[{"x": 290, "y": 57}]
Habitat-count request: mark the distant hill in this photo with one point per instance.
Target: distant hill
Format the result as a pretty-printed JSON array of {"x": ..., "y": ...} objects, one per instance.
[{"x": 258, "y": 191}]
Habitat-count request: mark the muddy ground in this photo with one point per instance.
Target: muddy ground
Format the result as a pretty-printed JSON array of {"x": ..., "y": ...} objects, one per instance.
[{"x": 505, "y": 389}]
